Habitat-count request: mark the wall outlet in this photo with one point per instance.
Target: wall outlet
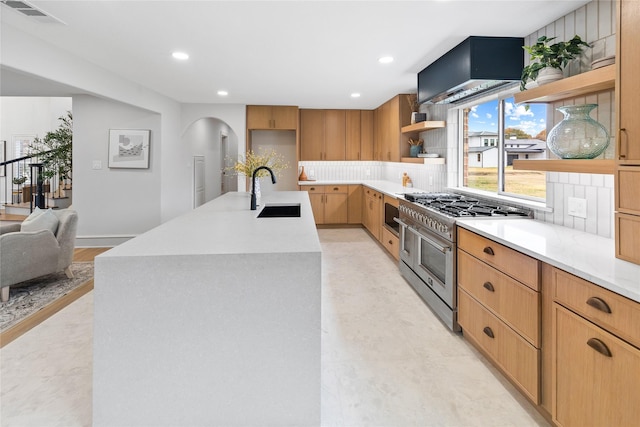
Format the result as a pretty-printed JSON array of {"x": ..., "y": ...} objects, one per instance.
[
  {"x": 430, "y": 179},
  {"x": 577, "y": 207},
  {"x": 367, "y": 172},
  {"x": 96, "y": 164}
]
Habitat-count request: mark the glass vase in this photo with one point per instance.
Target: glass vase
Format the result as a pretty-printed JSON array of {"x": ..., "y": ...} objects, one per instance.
[{"x": 578, "y": 136}]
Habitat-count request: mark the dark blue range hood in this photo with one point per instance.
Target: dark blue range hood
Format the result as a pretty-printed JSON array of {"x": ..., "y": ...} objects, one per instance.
[{"x": 472, "y": 67}]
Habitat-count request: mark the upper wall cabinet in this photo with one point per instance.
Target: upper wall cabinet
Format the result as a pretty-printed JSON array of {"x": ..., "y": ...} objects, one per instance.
[
  {"x": 391, "y": 145},
  {"x": 322, "y": 134},
  {"x": 272, "y": 117},
  {"x": 628, "y": 61},
  {"x": 359, "y": 130}
]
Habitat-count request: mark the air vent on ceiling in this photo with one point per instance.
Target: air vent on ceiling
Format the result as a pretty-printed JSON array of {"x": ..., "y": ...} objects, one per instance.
[{"x": 31, "y": 11}]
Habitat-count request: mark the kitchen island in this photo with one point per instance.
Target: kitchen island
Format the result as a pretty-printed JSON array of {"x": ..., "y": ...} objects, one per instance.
[{"x": 212, "y": 318}]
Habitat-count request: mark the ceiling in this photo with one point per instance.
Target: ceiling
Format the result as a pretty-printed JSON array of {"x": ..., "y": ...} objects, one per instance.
[{"x": 313, "y": 54}]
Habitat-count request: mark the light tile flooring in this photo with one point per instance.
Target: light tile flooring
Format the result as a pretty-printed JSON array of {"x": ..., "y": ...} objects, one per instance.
[{"x": 386, "y": 360}]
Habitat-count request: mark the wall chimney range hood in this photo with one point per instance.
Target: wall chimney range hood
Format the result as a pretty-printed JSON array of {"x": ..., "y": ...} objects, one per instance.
[{"x": 472, "y": 67}]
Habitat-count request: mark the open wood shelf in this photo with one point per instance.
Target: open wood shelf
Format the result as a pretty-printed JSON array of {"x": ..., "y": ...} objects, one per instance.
[
  {"x": 581, "y": 84},
  {"x": 571, "y": 165},
  {"x": 424, "y": 160},
  {"x": 415, "y": 129}
]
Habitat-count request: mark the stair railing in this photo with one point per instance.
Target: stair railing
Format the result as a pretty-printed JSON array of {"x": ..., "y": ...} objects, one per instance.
[{"x": 33, "y": 169}]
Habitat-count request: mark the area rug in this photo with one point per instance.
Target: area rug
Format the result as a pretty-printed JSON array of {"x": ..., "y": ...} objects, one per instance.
[{"x": 33, "y": 296}]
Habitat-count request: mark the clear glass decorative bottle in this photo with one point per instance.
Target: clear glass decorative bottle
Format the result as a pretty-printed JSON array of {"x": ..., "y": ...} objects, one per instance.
[{"x": 578, "y": 136}]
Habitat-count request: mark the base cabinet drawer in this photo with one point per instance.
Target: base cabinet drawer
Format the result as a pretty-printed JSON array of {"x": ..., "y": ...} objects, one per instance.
[
  {"x": 391, "y": 243},
  {"x": 597, "y": 375},
  {"x": 516, "y": 264},
  {"x": 613, "y": 312},
  {"x": 518, "y": 360},
  {"x": 510, "y": 300}
]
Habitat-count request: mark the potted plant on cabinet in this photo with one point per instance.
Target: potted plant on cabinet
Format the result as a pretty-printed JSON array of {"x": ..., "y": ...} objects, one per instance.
[{"x": 548, "y": 60}]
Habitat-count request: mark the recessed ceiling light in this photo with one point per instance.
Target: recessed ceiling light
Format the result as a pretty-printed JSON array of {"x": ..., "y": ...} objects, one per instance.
[
  {"x": 180, "y": 55},
  {"x": 385, "y": 59},
  {"x": 355, "y": 95},
  {"x": 223, "y": 93}
]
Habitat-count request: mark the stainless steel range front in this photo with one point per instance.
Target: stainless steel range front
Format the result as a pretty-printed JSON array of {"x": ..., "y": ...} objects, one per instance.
[{"x": 428, "y": 244}]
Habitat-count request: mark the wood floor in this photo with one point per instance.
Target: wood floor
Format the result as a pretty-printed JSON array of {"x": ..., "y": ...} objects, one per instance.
[
  {"x": 79, "y": 255},
  {"x": 87, "y": 254}
]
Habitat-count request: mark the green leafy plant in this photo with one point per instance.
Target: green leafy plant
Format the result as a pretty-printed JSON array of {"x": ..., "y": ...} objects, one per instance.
[
  {"x": 55, "y": 150},
  {"x": 557, "y": 55},
  {"x": 19, "y": 180}
]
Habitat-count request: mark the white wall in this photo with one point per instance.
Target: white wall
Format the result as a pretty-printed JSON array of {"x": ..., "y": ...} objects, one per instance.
[
  {"x": 113, "y": 204},
  {"x": 27, "y": 116},
  {"x": 234, "y": 116},
  {"x": 203, "y": 138},
  {"x": 283, "y": 142},
  {"x": 29, "y": 55}
]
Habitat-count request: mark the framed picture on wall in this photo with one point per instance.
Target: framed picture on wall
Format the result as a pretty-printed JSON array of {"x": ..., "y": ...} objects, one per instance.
[
  {"x": 129, "y": 148},
  {"x": 3, "y": 157}
]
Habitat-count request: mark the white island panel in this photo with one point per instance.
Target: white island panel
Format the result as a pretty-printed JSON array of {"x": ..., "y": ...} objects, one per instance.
[{"x": 207, "y": 337}]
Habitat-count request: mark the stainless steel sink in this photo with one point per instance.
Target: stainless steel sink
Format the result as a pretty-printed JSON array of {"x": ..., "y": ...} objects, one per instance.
[{"x": 280, "y": 211}]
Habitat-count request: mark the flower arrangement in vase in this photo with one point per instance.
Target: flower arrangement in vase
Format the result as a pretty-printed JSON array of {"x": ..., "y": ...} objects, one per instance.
[{"x": 253, "y": 160}]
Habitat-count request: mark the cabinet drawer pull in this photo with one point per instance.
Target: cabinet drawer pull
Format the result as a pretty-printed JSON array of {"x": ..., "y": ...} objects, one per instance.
[
  {"x": 599, "y": 346},
  {"x": 489, "y": 286},
  {"x": 312, "y": 189},
  {"x": 390, "y": 242},
  {"x": 487, "y": 330},
  {"x": 599, "y": 304},
  {"x": 488, "y": 250},
  {"x": 335, "y": 189}
]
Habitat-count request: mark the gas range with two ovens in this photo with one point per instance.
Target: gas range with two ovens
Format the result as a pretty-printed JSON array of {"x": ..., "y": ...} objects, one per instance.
[{"x": 428, "y": 243}]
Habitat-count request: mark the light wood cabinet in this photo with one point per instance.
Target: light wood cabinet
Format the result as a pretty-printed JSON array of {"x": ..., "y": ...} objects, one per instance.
[
  {"x": 390, "y": 242},
  {"x": 627, "y": 178},
  {"x": 628, "y": 84},
  {"x": 498, "y": 292},
  {"x": 359, "y": 135},
  {"x": 391, "y": 117},
  {"x": 322, "y": 134},
  {"x": 499, "y": 307},
  {"x": 513, "y": 263},
  {"x": 596, "y": 375},
  {"x": 260, "y": 117},
  {"x": 354, "y": 204},
  {"x": 595, "y": 364},
  {"x": 329, "y": 203},
  {"x": 516, "y": 358},
  {"x": 372, "y": 212}
]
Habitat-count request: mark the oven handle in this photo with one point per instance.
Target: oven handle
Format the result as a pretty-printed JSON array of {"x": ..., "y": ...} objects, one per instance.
[{"x": 443, "y": 249}]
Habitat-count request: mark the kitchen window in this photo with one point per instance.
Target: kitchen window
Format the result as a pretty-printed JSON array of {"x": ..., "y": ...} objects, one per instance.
[{"x": 497, "y": 132}]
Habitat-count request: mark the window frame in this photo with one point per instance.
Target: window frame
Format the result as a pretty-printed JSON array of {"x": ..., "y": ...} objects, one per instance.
[{"x": 500, "y": 96}]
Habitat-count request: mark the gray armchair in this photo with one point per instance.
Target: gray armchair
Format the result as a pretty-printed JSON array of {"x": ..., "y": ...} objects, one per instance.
[{"x": 27, "y": 255}]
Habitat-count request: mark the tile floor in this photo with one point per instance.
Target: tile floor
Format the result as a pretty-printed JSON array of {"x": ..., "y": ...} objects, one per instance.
[{"x": 386, "y": 359}]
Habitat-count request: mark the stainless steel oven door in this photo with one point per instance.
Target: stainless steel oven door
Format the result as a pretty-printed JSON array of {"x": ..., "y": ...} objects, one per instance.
[
  {"x": 408, "y": 244},
  {"x": 435, "y": 264}
]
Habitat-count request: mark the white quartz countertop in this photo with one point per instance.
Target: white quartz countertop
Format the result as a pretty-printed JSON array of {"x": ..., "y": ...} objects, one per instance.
[
  {"x": 387, "y": 187},
  {"x": 582, "y": 254},
  {"x": 225, "y": 226}
]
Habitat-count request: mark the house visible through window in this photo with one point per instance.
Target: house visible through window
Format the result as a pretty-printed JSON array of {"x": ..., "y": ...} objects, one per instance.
[{"x": 499, "y": 132}]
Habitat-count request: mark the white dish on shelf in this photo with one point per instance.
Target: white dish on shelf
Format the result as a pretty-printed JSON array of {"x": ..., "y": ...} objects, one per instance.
[
  {"x": 428, "y": 155},
  {"x": 603, "y": 62}
]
